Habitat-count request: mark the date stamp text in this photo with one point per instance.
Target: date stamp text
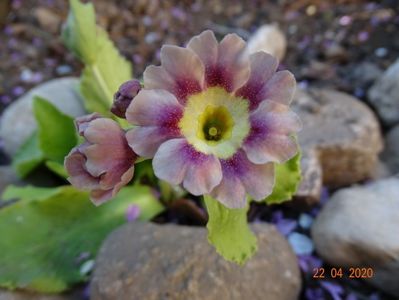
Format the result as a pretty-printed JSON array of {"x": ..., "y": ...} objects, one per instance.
[{"x": 351, "y": 273}]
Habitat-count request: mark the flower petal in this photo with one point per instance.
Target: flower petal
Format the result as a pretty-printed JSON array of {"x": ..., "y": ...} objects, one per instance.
[
  {"x": 176, "y": 161},
  {"x": 230, "y": 192},
  {"x": 154, "y": 108},
  {"x": 226, "y": 64},
  {"x": 108, "y": 147},
  {"x": 181, "y": 73},
  {"x": 263, "y": 66},
  {"x": 78, "y": 175},
  {"x": 84, "y": 121},
  {"x": 111, "y": 186},
  {"x": 205, "y": 46},
  {"x": 269, "y": 140},
  {"x": 259, "y": 180},
  {"x": 158, "y": 113},
  {"x": 280, "y": 88},
  {"x": 240, "y": 176},
  {"x": 145, "y": 141},
  {"x": 99, "y": 196}
]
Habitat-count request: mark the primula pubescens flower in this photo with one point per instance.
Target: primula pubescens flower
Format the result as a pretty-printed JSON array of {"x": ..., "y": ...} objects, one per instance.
[
  {"x": 215, "y": 119},
  {"x": 104, "y": 163}
]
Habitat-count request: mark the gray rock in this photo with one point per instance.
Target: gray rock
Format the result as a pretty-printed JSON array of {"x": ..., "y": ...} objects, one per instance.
[
  {"x": 384, "y": 95},
  {"x": 18, "y": 122},
  {"x": 364, "y": 74},
  {"x": 339, "y": 133},
  {"x": 146, "y": 261},
  {"x": 7, "y": 177},
  {"x": 358, "y": 227},
  {"x": 270, "y": 39},
  {"x": 390, "y": 156},
  {"x": 309, "y": 191}
]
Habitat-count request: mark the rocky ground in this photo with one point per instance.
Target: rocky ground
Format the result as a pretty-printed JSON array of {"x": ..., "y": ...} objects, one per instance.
[{"x": 346, "y": 211}]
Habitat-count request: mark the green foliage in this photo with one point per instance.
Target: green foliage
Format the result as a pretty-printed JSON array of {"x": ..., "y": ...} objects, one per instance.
[
  {"x": 56, "y": 131},
  {"x": 54, "y": 138},
  {"x": 288, "y": 178},
  {"x": 57, "y": 168},
  {"x": 79, "y": 32},
  {"x": 44, "y": 234},
  {"x": 105, "y": 69},
  {"x": 229, "y": 233},
  {"x": 28, "y": 157}
]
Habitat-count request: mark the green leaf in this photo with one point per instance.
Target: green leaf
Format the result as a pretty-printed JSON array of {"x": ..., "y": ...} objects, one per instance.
[
  {"x": 229, "y": 233},
  {"x": 57, "y": 168},
  {"x": 79, "y": 32},
  {"x": 101, "y": 79},
  {"x": 105, "y": 69},
  {"x": 44, "y": 234},
  {"x": 288, "y": 178},
  {"x": 28, "y": 193},
  {"x": 28, "y": 157},
  {"x": 56, "y": 131}
]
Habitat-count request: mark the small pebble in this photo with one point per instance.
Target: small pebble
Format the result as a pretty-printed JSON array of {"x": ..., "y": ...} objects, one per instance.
[
  {"x": 86, "y": 267},
  {"x": 381, "y": 52},
  {"x": 300, "y": 243},
  {"x": 147, "y": 21},
  {"x": 363, "y": 36},
  {"x": 311, "y": 10},
  {"x": 305, "y": 221},
  {"x": 5, "y": 99},
  {"x": 345, "y": 20},
  {"x": 18, "y": 91},
  {"x": 63, "y": 70},
  {"x": 151, "y": 37}
]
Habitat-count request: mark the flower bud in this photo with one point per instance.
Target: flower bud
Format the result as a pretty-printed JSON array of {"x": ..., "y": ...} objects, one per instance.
[
  {"x": 122, "y": 98},
  {"x": 104, "y": 163}
]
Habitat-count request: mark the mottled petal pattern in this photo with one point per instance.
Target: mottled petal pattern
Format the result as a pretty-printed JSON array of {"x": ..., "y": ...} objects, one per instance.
[
  {"x": 280, "y": 88},
  {"x": 157, "y": 113},
  {"x": 269, "y": 140},
  {"x": 263, "y": 66},
  {"x": 213, "y": 119},
  {"x": 181, "y": 73},
  {"x": 226, "y": 64},
  {"x": 240, "y": 176},
  {"x": 178, "y": 162}
]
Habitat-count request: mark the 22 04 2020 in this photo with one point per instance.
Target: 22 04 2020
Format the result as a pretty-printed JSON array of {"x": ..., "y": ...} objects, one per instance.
[{"x": 351, "y": 273}]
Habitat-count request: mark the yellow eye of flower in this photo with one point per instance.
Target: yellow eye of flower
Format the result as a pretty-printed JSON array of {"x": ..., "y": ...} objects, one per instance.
[{"x": 215, "y": 122}]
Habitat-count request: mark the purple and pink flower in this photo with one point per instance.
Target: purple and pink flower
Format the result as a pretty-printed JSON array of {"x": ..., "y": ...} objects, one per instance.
[{"x": 211, "y": 117}]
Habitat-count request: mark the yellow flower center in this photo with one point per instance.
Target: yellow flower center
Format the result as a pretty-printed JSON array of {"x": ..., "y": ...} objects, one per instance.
[{"x": 215, "y": 122}]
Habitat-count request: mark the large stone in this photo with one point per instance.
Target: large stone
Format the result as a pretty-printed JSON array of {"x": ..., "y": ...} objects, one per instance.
[
  {"x": 146, "y": 261},
  {"x": 358, "y": 227},
  {"x": 391, "y": 153},
  {"x": 339, "y": 133},
  {"x": 270, "y": 39},
  {"x": 309, "y": 191},
  {"x": 7, "y": 177},
  {"x": 384, "y": 95},
  {"x": 18, "y": 122}
]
